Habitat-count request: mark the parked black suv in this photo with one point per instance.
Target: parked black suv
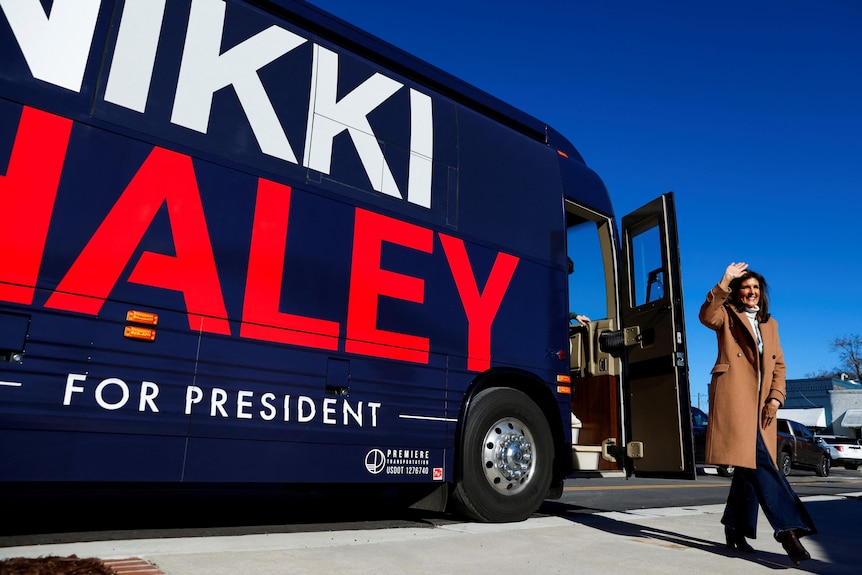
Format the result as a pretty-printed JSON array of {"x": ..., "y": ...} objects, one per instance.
[
  {"x": 699, "y": 421},
  {"x": 798, "y": 449}
]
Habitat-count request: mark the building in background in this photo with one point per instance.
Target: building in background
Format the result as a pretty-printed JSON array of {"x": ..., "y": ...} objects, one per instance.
[{"x": 825, "y": 404}]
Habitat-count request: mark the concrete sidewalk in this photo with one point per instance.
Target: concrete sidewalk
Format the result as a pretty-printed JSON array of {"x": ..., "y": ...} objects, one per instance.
[{"x": 682, "y": 540}]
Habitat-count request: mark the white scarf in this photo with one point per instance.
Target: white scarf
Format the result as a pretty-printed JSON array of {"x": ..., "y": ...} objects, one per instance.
[{"x": 751, "y": 313}]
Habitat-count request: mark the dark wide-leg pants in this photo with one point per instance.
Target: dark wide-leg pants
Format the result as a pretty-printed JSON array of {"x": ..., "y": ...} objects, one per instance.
[{"x": 767, "y": 487}]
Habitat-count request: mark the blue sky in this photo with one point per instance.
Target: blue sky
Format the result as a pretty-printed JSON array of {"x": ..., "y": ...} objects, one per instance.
[{"x": 750, "y": 112}]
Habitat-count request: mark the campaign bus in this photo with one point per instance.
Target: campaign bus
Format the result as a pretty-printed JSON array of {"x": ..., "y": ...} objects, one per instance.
[{"x": 244, "y": 242}]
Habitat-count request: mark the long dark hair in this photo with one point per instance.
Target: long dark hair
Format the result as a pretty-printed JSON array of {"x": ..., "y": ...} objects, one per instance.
[{"x": 763, "y": 304}]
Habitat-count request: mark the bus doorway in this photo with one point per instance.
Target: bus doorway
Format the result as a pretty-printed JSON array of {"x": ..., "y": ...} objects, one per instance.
[
  {"x": 593, "y": 310},
  {"x": 630, "y": 391}
]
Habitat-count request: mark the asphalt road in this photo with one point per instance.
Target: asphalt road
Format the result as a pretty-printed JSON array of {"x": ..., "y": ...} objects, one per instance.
[{"x": 620, "y": 494}]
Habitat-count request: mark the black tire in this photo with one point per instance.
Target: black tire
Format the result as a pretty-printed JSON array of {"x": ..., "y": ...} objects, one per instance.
[
  {"x": 784, "y": 463},
  {"x": 725, "y": 470},
  {"x": 507, "y": 455},
  {"x": 823, "y": 467}
]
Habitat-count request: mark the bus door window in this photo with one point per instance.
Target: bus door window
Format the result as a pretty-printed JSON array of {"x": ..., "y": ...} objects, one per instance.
[{"x": 648, "y": 277}]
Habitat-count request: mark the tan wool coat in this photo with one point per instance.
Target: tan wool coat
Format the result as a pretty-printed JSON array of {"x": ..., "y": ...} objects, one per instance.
[{"x": 736, "y": 394}]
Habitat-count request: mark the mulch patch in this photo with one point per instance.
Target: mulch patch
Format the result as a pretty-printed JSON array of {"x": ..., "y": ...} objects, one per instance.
[{"x": 71, "y": 565}]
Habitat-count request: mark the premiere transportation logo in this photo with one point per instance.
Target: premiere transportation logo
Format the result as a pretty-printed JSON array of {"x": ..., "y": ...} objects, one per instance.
[{"x": 400, "y": 462}]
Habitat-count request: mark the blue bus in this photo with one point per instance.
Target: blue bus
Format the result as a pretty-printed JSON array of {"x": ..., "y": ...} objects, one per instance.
[{"x": 247, "y": 243}]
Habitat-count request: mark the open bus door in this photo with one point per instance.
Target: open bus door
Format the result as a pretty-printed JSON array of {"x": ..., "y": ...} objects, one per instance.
[{"x": 655, "y": 386}]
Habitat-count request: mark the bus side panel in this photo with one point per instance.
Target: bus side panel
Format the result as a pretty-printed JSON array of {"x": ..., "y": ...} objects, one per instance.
[{"x": 64, "y": 455}]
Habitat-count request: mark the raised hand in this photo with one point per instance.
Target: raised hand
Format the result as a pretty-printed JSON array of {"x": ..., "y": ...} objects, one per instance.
[{"x": 733, "y": 271}]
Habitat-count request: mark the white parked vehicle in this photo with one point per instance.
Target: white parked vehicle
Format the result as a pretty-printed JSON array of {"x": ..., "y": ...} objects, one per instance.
[{"x": 844, "y": 451}]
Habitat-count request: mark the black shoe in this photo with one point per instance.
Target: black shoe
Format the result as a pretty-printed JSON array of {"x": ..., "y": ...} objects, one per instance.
[
  {"x": 790, "y": 541},
  {"x": 736, "y": 540}
]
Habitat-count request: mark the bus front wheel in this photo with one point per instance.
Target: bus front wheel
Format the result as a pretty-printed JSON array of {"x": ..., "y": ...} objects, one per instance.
[{"x": 506, "y": 457}]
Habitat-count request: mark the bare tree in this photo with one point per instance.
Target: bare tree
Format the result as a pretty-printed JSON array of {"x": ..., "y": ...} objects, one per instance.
[{"x": 849, "y": 350}]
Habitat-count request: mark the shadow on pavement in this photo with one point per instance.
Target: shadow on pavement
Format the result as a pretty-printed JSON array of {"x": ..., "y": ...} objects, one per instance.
[{"x": 834, "y": 549}]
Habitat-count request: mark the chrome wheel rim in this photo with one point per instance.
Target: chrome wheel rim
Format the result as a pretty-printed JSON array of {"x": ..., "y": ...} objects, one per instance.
[{"x": 508, "y": 456}]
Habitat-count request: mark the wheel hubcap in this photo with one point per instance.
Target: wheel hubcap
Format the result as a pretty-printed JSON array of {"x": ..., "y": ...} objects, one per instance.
[{"x": 507, "y": 456}]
